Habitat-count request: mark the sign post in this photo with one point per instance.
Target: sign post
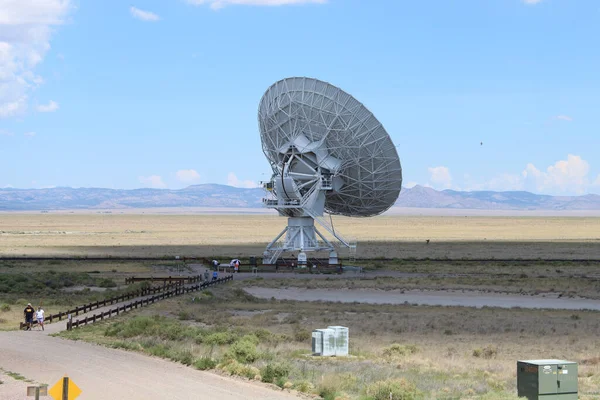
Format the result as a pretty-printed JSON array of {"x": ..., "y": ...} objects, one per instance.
[
  {"x": 37, "y": 391},
  {"x": 64, "y": 389}
]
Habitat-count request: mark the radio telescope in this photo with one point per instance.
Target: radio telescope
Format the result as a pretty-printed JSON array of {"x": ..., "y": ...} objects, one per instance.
[{"x": 328, "y": 154}]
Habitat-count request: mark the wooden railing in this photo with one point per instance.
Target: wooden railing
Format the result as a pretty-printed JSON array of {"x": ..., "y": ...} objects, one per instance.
[
  {"x": 103, "y": 303},
  {"x": 170, "y": 279},
  {"x": 177, "y": 291}
]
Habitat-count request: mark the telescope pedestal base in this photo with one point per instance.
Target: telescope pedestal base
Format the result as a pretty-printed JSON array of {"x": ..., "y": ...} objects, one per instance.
[{"x": 300, "y": 235}]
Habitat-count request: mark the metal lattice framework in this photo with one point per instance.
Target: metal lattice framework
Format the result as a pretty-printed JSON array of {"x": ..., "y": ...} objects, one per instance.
[{"x": 347, "y": 139}]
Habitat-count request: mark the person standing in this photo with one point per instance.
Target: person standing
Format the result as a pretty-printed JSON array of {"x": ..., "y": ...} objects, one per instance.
[
  {"x": 39, "y": 315},
  {"x": 28, "y": 313}
]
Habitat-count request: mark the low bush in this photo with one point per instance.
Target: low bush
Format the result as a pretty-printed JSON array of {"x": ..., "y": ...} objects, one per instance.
[
  {"x": 392, "y": 389},
  {"x": 304, "y": 386},
  {"x": 272, "y": 371},
  {"x": 217, "y": 338},
  {"x": 184, "y": 315},
  {"x": 183, "y": 356},
  {"x": 234, "y": 367},
  {"x": 327, "y": 392},
  {"x": 302, "y": 335},
  {"x": 205, "y": 363},
  {"x": 107, "y": 283},
  {"x": 244, "y": 350},
  {"x": 5, "y": 307},
  {"x": 487, "y": 352},
  {"x": 400, "y": 350}
]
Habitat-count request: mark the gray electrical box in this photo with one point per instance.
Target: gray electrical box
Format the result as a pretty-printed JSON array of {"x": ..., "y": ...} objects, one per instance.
[{"x": 547, "y": 379}]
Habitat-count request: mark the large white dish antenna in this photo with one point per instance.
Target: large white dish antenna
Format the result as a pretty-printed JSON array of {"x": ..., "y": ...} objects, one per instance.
[{"x": 328, "y": 153}]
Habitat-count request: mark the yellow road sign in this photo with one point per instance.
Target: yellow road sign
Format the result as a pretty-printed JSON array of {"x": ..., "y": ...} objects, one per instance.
[{"x": 58, "y": 390}]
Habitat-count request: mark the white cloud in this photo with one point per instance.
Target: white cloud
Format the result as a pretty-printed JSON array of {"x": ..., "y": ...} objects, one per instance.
[
  {"x": 532, "y": 1},
  {"x": 25, "y": 30},
  {"x": 564, "y": 176},
  {"x": 143, "y": 15},
  {"x": 154, "y": 181},
  {"x": 187, "y": 175},
  {"x": 11, "y": 108},
  {"x": 50, "y": 107},
  {"x": 564, "y": 118},
  {"x": 6, "y": 133},
  {"x": 233, "y": 180},
  {"x": 29, "y": 134},
  {"x": 409, "y": 185},
  {"x": 217, "y": 4},
  {"x": 440, "y": 176},
  {"x": 597, "y": 181}
]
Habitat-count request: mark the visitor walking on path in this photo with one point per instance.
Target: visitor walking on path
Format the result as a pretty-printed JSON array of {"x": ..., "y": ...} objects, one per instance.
[
  {"x": 39, "y": 315},
  {"x": 28, "y": 313}
]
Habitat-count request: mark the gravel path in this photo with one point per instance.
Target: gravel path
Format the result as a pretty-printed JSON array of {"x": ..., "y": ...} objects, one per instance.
[{"x": 434, "y": 298}]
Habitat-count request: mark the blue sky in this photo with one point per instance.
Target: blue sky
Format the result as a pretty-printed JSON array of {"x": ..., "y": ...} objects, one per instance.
[{"x": 164, "y": 93}]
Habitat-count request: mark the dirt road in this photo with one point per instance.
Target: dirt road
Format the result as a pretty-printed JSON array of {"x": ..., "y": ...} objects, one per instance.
[
  {"x": 104, "y": 373},
  {"x": 430, "y": 297}
]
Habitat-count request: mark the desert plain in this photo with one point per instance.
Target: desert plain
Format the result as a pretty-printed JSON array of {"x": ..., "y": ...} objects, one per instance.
[{"x": 408, "y": 350}]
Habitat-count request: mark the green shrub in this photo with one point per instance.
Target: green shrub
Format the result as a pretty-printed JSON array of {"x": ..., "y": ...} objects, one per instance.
[
  {"x": 244, "y": 350},
  {"x": 327, "y": 392},
  {"x": 107, "y": 283},
  {"x": 131, "y": 328},
  {"x": 219, "y": 338},
  {"x": 304, "y": 386},
  {"x": 281, "y": 381},
  {"x": 160, "y": 350},
  {"x": 273, "y": 371},
  {"x": 5, "y": 307},
  {"x": 393, "y": 389},
  {"x": 302, "y": 335},
  {"x": 184, "y": 315},
  {"x": 400, "y": 350},
  {"x": 487, "y": 352},
  {"x": 184, "y": 356},
  {"x": 205, "y": 363}
]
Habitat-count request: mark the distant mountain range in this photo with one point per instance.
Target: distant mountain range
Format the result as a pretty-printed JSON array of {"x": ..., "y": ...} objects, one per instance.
[{"x": 215, "y": 196}]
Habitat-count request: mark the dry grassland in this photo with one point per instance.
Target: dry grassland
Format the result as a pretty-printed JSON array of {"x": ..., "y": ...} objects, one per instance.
[
  {"x": 102, "y": 235},
  {"x": 447, "y": 352}
]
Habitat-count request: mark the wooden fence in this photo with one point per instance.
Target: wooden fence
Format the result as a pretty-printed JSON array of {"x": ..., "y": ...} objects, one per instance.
[
  {"x": 170, "y": 279},
  {"x": 103, "y": 303},
  {"x": 177, "y": 291},
  {"x": 320, "y": 269}
]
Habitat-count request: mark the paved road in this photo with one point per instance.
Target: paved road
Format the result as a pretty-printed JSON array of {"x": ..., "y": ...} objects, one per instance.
[{"x": 103, "y": 373}]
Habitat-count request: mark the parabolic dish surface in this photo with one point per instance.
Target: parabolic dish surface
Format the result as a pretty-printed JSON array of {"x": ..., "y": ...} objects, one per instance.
[{"x": 370, "y": 167}]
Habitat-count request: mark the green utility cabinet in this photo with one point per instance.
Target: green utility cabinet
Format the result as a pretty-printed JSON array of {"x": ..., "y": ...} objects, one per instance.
[{"x": 547, "y": 379}]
